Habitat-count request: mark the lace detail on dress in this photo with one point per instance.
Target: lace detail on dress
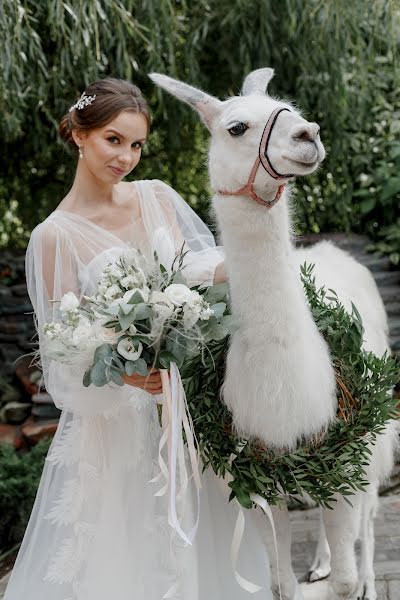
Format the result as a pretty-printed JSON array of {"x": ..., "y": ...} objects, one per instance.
[
  {"x": 89, "y": 448},
  {"x": 66, "y": 451},
  {"x": 82, "y": 444}
]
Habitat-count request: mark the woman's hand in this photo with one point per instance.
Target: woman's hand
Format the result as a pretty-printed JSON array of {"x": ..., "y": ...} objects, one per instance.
[
  {"x": 220, "y": 274},
  {"x": 151, "y": 382}
]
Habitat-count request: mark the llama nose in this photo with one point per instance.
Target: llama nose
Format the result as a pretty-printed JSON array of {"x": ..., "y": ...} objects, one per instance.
[{"x": 306, "y": 132}]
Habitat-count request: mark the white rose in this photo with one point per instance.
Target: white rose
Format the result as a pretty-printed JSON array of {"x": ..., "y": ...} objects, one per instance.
[
  {"x": 127, "y": 349},
  {"x": 69, "y": 302},
  {"x": 178, "y": 293},
  {"x": 162, "y": 305}
]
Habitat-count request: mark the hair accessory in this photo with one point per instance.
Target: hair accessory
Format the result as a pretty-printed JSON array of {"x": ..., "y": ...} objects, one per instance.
[{"x": 83, "y": 101}]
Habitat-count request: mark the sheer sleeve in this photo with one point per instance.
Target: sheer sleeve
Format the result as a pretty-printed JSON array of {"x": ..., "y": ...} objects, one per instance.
[
  {"x": 52, "y": 266},
  {"x": 172, "y": 224},
  {"x": 51, "y": 271}
]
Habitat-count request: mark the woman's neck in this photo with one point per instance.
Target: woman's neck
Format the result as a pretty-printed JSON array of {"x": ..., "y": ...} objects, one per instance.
[{"x": 88, "y": 193}]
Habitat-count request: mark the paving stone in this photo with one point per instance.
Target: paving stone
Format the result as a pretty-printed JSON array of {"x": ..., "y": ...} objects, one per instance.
[
  {"x": 387, "y": 543},
  {"x": 382, "y": 590},
  {"x": 394, "y": 590}
]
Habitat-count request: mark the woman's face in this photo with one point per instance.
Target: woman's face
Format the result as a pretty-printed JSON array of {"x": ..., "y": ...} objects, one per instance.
[{"x": 113, "y": 151}]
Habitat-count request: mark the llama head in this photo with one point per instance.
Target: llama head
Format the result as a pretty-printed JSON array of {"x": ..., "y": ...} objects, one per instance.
[{"x": 237, "y": 126}]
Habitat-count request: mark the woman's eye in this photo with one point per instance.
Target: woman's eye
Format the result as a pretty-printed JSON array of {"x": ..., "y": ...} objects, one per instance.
[
  {"x": 137, "y": 145},
  {"x": 112, "y": 138},
  {"x": 238, "y": 129}
]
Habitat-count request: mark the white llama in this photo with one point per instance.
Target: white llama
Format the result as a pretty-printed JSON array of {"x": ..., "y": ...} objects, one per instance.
[{"x": 280, "y": 383}]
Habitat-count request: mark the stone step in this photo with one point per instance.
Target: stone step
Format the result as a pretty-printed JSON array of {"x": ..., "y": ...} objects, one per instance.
[
  {"x": 387, "y": 278},
  {"x": 390, "y": 293},
  {"x": 394, "y": 326},
  {"x": 376, "y": 263},
  {"x": 393, "y": 308}
]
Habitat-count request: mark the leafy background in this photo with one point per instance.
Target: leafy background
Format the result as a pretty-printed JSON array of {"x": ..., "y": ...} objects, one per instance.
[{"x": 337, "y": 59}]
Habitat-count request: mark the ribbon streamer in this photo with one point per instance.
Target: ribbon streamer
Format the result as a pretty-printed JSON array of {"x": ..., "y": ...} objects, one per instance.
[
  {"x": 248, "y": 586},
  {"x": 175, "y": 416}
]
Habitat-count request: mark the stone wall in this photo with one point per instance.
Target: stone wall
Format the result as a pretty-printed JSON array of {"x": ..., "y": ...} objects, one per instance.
[{"x": 17, "y": 331}]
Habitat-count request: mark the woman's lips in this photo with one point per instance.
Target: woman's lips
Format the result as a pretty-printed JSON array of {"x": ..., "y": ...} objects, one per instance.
[{"x": 117, "y": 171}]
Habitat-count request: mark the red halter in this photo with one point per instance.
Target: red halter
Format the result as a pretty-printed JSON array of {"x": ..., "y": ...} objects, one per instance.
[{"x": 262, "y": 158}]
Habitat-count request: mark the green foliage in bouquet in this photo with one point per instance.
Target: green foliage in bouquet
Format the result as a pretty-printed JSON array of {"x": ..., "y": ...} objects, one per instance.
[{"x": 333, "y": 462}]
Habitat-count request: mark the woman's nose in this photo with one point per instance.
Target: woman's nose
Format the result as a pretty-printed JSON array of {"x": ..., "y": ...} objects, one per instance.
[{"x": 125, "y": 157}]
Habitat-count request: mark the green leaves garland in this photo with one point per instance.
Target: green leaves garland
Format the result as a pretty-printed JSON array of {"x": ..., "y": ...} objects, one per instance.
[{"x": 335, "y": 462}]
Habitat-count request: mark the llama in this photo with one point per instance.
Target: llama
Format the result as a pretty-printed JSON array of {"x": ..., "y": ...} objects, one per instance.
[{"x": 279, "y": 383}]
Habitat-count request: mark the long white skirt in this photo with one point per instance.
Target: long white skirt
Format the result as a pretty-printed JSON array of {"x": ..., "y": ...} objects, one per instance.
[{"x": 97, "y": 531}]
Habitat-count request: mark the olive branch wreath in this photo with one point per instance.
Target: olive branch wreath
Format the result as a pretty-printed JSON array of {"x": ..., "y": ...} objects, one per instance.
[{"x": 334, "y": 461}]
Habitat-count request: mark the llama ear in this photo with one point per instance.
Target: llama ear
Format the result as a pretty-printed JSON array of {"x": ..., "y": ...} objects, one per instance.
[
  {"x": 207, "y": 106},
  {"x": 257, "y": 81}
]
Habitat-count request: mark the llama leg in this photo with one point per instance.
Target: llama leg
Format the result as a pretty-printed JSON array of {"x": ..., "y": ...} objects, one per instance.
[
  {"x": 342, "y": 525},
  {"x": 321, "y": 567},
  {"x": 366, "y": 585},
  {"x": 284, "y": 573}
]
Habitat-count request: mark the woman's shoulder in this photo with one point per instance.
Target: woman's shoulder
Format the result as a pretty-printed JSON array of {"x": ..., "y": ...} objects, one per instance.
[{"x": 48, "y": 231}]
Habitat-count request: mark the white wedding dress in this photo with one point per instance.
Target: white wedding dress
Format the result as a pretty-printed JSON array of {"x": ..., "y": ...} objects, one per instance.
[{"x": 97, "y": 530}]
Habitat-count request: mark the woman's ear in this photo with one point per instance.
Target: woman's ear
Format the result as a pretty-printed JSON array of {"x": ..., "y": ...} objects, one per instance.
[{"x": 79, "y": 136}]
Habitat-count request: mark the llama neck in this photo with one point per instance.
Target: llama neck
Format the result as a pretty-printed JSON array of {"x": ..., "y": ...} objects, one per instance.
[
  {"x": 279, "y": 380},
  {"x": 259, "y": 256}
]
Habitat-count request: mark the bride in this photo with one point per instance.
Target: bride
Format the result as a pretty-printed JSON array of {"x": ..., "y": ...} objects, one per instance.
[{"x": 97, "y": 530}]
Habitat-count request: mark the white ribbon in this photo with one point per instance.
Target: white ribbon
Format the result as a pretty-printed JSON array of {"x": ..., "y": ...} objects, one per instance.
[
  {"x": 175, "y": 415},
  {"x": 248, "y": 586}
]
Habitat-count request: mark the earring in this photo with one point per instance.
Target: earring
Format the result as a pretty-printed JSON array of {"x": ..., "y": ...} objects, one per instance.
[{"x": 80, "y": 151}]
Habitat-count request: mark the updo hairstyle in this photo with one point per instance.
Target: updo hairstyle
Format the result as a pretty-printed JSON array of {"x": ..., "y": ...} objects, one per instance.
[{"x": 112, "y": 97}]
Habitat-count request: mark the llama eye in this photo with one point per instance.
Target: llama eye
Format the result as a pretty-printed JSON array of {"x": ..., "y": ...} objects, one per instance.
[{"x": 238, "y": 129}]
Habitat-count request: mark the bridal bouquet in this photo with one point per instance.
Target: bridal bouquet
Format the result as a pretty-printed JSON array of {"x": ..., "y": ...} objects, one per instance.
[{"x": 140, "y": 316}]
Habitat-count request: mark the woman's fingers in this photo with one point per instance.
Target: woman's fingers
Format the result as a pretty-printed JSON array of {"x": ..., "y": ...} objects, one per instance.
[{"x": 151, "y": 382}]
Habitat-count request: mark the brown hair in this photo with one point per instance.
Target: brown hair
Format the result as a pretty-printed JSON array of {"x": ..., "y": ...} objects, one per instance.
[{"x": 112, "y": 97}]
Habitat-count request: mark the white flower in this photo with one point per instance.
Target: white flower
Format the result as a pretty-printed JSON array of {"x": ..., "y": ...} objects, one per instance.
[
  {"x": 132, "y": 329},
  {"x": 191, "y": 314},
  {"x": 132, "y": 257},
  {"x": 206, "y": 313},
  {"x": 178, "y": 294},
  {"x": 112, "y": 292},
  {"x": 127, "y": 349},
  {"x": 52, "y": 330},
  {"x": 115, "y": 271},
  {"x": 82, "y": 332},
  {"x": 162, "y": 305},
  {"x": 69, "y": 302}
]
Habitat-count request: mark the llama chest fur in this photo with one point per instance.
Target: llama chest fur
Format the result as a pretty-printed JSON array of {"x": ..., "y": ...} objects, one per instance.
[{"x": 279, "y": 380}]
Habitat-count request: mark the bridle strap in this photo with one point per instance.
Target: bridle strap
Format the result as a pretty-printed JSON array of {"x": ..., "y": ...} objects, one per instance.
[{"x": 262, "y": 158}]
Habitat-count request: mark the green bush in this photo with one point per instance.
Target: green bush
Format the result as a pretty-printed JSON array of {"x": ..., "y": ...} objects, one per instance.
[
  {"x": 20, "y": 473},
  {"x": 337, "y": 60}
]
